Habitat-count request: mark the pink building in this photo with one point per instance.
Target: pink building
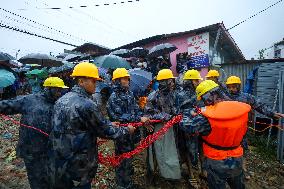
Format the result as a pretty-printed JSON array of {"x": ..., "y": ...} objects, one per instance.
[{"x": 227, "y": 50}]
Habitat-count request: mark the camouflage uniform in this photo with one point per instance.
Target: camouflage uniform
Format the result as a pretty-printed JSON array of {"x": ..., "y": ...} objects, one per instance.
[
  {"x": 187, "y": 100},
  {"x": 77, "y": 123},
  {"x": 253, "y": 102},
  {"x": 36, "y": 110},
  {"x": 255, "y": 105},
  {"x": 162, "y": 105},
  {"x": 223, "y": 88},
  {"x": 218, "y": 171},
  {"x": 122, "y": 107}
]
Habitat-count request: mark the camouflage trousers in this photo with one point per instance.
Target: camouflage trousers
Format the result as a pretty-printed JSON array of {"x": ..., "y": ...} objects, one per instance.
[
  {"x": 193, "y": 149},
  {"x": 220, "y": 172},
  {"x": 124, "y": 171},
  {"x": 37, "y": 172}
]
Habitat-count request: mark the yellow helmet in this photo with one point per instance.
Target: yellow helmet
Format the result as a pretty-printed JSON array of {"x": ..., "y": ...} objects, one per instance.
[
  {"x": 233, "y": 80},
  {"x": 86, "y": 69},
  {"x": 165, "y": 74},
  {"x": 213, "y": 73},
  {"x": 192, "y": 74},
  {"x": 54, "y": 82},
  {"x": 204, "y": 87},
  {"x": 119, "y": 73}
]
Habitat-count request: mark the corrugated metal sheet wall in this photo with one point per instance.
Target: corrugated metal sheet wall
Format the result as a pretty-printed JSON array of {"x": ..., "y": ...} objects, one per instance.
[
  {"x": 267, "y": 83},
  {"x": 240, "y": 70},
  {"x": 266, "y": 78}
]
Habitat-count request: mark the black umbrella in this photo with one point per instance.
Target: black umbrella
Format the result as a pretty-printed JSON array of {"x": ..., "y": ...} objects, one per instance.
[
  {"x": 42, "y": 59},
  {"x": 8, "y": 60},
  {"x": 139, "y": 52},
  {"x": 62, "y": 55},
  {"x": 124, "y": 53},
  {"x": 72, "y": 57},
  {"x": 6, "y": 56},
  {"x": 161, "y": 49},
  {"x": 67, "y": 66}
]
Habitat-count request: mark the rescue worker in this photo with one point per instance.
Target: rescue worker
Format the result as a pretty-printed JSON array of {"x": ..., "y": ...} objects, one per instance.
[
  {"x": 161, "y": 105},
  {"x": 36, "y": 110},
  {"x": 191, "y": 80},
  {"x": 122, "y": 107},
  {"x": 214, "y": 76},
  {"x": 77, "y": 122},
  {"x": 187, "y": 100},
  {"x": 222, "y": 125},
  {"x": 234, "y": 87}
]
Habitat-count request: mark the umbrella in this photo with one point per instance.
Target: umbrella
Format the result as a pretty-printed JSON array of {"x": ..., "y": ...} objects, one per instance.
[
  {"x": 124, "y": 53},
  {"x": 102, "y": 85},
  {"x": 139, "y": 52},
  {"x": 67, "y": 66},
  {"x": 104, "y": 74},
  {"x": 72, "y": 57},
  {"x": 8, "y": 60},
  {"x": 62, "y": 55},
  {"x": 139, "y": 80},
  {"x": 40, "y": 73},
  {"x": 6, "y": 56},
  {"x": 6, "y": 78},
  {"x": 161, "y": 49},
  {"x": 111, "y": 61},
  {"x": 42, "y": 59}
]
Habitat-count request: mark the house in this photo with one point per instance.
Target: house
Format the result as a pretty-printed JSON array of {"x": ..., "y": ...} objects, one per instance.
[
  {"x": 277, "y": 50},
  {"x": 199, "y": 44}
]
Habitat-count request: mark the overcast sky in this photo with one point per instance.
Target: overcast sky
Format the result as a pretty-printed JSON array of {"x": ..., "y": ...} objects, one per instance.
[{"x": 116, "y": 25}]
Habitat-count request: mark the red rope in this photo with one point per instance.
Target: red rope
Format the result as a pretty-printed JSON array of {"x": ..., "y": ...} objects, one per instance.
[
  {"x": 114, "y": 160},
  {"x": 23, "y": 125},
  {"x": 138, "y": 124}
]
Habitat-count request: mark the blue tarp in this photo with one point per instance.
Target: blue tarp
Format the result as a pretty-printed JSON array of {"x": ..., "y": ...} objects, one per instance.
[{"x": 250, "y": 80}]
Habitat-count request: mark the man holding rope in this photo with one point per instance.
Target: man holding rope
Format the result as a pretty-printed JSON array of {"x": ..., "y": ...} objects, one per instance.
[
  {"x": 222, "y": 125},
  {"x": 77, "y": 122},
  {"x": 234, "y": 87},
  {"x": 122, "y": 107},
  {"x": 36, "y": 110}
]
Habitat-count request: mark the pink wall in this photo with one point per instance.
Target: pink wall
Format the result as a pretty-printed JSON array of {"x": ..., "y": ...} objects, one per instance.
[{"x": 181, "y": 43}]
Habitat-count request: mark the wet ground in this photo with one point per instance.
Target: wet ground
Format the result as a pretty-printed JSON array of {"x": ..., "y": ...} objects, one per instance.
[{"x": 261, "y": 172}]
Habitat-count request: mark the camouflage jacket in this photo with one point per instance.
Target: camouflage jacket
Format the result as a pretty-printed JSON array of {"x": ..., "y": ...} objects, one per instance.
[
  {"x": 161, "y": 106},
  {"x": 77, "y": 123},
  {"x": 223, "y": 88},
  {"x": 195, "y": 124},
  {"x": 36, "y": 110},
  {"x": 253, "y": 102},
  {"x": 123, "y": 107},
  {"x": 186, "y": 98}
]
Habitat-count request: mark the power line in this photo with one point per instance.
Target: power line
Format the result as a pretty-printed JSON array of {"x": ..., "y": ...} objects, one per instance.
[
  {"x": 92, "y": 18},
  {"x": 255, "y": 14},
  {"x": 35, "y": 22},
  {"x": 85, "y": 6},
  {"x": 33, "y": 34},
  {"x": 23, "y": 23},
  {"x": 104, "y": 23}
]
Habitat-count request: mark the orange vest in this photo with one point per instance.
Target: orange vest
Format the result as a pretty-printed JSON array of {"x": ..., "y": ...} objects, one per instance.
[{"x": 228, "y": 121}]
